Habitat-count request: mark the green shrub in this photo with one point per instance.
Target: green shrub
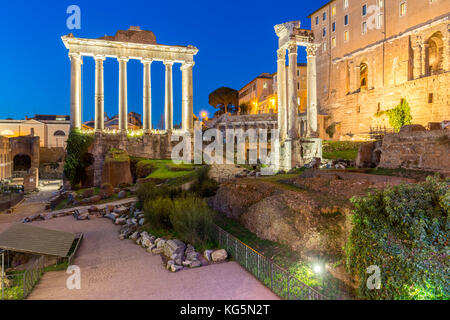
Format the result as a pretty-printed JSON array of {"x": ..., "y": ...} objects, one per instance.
[
  {"x": 204, "y": 186},
  {"x": 78, "y": 158},
  {"x": 192, "y": 220},
  {"x": 331, "y": 130},
  {"x": 144, "y": 168},
  {"x": 157, "y": 212},
  {"x": 398, "y": 116},
  {"x": 149, "y": 191},
  {"x": 405, "y": 232}
]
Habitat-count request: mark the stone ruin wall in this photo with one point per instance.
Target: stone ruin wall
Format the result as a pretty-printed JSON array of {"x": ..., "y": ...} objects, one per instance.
[
  {"x": 152, "y": 146},
  {"x": 420, "y": 150},
  {"x": 51, "y": 162},
  {"x": 356, "y": 112}
]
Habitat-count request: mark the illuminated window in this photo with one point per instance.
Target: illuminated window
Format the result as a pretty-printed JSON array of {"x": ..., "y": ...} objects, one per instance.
[
  {"x": 333, "y": 42},
  {"x": 380, "y": 4},
  {"x": 333, "y": 11},
  {"x": 346, "y": 20},
  {"x": 402, "y": 9},
  {"x": 324, "y": 47},
  {"x": 364, "y": 10},
  {"x": 345, "y": 36},
  {"x": 345, "y": 4},
  {"x": 379, "y": 21},
  {"x": 333, "y": 27},
  {"x": 364, "y": 27}
]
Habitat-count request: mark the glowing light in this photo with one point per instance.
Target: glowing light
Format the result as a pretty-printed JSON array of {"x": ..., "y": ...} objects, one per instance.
[{"x": 317, "y": 268}]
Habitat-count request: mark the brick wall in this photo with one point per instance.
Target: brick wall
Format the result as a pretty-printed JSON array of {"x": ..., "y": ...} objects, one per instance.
[{"x": 422, "y": 150}]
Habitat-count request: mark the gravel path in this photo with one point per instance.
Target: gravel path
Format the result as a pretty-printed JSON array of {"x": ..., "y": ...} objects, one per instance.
[{"x": 115, "y": 269}]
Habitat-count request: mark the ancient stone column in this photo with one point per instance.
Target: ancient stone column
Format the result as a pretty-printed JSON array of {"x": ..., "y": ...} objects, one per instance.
[
  {"x": 292, "y": 91},
  {"x": 281, "y": 89},
  {"x": 311, "y": 110},
  {"x": 168, "y": 106},
  {"x": 424, "y": 59},
  {"x": 99, "y": 94},
  {"x": 123, "y": 100},
  {"x": 147, "y": 96},
  {"x": 187, "y": 97},
  {"x": 417, "y": 68},
  {"x": 75, "y": 89}
]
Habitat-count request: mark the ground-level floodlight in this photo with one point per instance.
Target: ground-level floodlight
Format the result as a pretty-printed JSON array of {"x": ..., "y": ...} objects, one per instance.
[{"x": 317, "y": 268}]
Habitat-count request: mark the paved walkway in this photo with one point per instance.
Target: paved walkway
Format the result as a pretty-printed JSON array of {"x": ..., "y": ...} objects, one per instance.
[
  {"x": 119, "y": 269},
  {"x": 115, "y": 269}
]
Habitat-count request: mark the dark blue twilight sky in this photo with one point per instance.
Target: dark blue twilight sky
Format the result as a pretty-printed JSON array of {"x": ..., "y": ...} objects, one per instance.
[{"x": 236, "y": 42}]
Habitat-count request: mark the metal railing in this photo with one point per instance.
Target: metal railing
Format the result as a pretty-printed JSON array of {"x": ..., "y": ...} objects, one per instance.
[
  {"x": 32, "y": 275},
  {"x": 280, "y": 281},
  {"x": 19, "y": 285}
]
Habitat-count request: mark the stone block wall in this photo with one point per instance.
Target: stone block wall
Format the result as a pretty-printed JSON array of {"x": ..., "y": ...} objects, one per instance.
[
  {"x": 151, "y": 146},
  {"x": 355, "y": 112},
  {"x": 420, "y": 150}
]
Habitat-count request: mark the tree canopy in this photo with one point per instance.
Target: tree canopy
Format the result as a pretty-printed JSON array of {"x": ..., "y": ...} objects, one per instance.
[{"x": 225, "y": 99}]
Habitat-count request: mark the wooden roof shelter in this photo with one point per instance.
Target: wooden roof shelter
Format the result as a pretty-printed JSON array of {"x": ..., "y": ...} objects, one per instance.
[{"x": 25, "y": 238}]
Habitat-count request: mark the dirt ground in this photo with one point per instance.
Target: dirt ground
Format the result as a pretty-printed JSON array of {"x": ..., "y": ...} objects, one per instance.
[{"x": 112, "y": 269}]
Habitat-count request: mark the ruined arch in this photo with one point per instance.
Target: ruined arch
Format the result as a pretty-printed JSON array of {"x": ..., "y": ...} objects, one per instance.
[
  {"x": 21, "y": 162},
  {"x": 435, "y": 51},
  {"x": 363, "y": 75}
]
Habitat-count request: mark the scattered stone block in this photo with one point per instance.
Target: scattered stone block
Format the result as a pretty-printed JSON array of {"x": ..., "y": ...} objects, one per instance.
[{"x": 219, "y": 255}]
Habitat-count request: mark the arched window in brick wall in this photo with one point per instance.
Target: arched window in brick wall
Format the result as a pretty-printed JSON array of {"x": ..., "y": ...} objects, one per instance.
[
  {"x": 363, "y": 75},
  {"x": 435, "y": 53}
]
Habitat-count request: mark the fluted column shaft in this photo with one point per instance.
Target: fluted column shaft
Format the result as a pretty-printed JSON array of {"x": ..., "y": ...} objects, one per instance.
[
  {"x": 123, "y": 98},
  {"x": 147, "y": 96},
  {"x": 99, "y": 94},
  {"x": 187, "y": 97},
  {"x": 168, "y": 106},
  {"x": 75, "y": 90},
  {"x": 311, "y": 111},
  {"x": 281, "y": 89},
  {"x": 292, "y": 92}
]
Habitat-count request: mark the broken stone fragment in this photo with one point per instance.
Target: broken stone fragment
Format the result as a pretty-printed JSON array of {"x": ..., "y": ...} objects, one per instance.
[
  {"x": 175, "y": 268},
  {"x": 170, "y": 263},
  {"x": 134, "y": 236},
  {"x": 219, "y": 255},
  {"x": 207, "y": 254}
]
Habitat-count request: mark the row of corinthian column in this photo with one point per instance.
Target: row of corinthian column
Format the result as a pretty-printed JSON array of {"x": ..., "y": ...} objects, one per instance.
[
  {"x": 75, "y": 94},
  {"x": 287, "y": 94}
]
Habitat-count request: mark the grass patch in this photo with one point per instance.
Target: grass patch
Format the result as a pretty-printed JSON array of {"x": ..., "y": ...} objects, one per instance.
[{"x": 347, "y": 150}]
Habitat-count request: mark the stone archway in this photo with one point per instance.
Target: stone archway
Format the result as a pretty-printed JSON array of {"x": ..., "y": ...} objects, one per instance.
[
  {"x": 435, "y": 53},
  {"x": 21, "y": 162}
]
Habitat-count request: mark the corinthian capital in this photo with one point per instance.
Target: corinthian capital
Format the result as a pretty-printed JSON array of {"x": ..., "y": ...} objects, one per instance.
[
  {"x": 281, "y": 54},
  {"x": 311, "y": 49},
  {"x": 292, "y": 47}
]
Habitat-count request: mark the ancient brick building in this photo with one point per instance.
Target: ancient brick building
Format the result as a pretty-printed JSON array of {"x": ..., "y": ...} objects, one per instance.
[
  {"x": 375, "y": 53},
  {"x": 5, "y": 159}
]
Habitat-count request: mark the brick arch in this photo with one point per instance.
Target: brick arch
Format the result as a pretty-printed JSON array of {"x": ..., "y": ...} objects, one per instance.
[
  {"x": 435, "y": 53},
  {"x": 26, "y": 145}
]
